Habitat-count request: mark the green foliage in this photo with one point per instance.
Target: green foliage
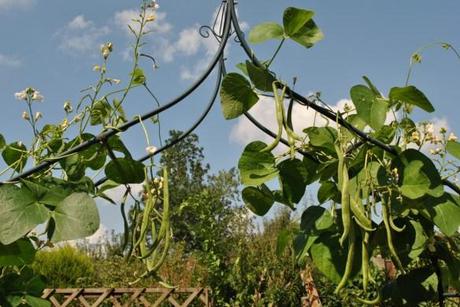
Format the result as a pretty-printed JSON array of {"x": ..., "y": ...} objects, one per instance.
[
  {"x": 236, "y": 96},
  {"x": 386, "y": 200},
  {"x": 64, "y": 267}
]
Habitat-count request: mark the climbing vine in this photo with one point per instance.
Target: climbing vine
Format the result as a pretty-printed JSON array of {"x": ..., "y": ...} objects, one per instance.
[{"x": 385, "y": 183}]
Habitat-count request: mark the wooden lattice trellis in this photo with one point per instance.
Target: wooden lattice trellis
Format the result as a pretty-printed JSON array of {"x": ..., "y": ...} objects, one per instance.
[{"x": 124, "y": 297}]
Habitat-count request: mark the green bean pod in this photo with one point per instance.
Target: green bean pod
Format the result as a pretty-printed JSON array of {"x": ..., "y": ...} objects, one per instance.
[
  {"x": 349, "y": 263},
  {"x": 346, "y": 213},
  {"x": 372, "y": 302},
  {"x": 365, "y": 260},
  {"x": 279, "y": 117},
  {"x": 391, "y": 247},
  {"x": 360, "y": 216}
]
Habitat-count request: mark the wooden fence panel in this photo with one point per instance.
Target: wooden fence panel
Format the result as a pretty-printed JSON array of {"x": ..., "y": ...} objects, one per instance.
[{"x": 126, "y": 297}]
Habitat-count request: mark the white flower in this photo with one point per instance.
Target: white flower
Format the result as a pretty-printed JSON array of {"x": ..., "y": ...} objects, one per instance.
[
  {"x": 38, "y": 115},
  {"x": 22, "y": 95},
  {"x": 116, "y": 81},
  {"x": 452, "y": 137},
  {"x": 96, "y": 68},
  {"x": 25, "y": 115},
  {"x": 153, "y": 5},
  {"x": 37, "y": 96},
  {"x": 415, "y": 137},
  {"x": 150, "y": 150},
  {"x": 429, "y": 128},
  {"x": 106, "y": 49}
]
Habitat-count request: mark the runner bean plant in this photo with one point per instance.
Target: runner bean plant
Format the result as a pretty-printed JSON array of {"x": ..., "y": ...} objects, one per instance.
[
  {"x": 387, "y": 186},
  {"x": 54, "y": 202}
]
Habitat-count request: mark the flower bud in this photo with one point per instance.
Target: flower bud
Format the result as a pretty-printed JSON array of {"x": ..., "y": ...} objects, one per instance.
[
  {"x": 67, "y": 106},
  {"x": 25, "y": 115},
  {"x": 150, "y": 150},
  {"x": 452, "y": 137},
  {"x": 38, "y": 115}
]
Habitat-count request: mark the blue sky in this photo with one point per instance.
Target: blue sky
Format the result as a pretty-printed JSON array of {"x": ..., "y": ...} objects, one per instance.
[{"x": 52, "y": 45}]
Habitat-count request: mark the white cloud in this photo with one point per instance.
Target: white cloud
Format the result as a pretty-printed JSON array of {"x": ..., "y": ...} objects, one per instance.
[
  {"x": 9, "y": 61},
  {"x": 82, "y": 36},
  {"x": 20, "y": 4},
  {"x": 79, "y": 23}
]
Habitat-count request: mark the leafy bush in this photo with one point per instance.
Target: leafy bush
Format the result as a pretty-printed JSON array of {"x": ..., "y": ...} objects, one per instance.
[{"x": 64, "y": 267}]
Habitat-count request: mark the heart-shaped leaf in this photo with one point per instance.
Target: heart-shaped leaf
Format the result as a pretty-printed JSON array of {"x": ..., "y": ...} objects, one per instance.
[{"x": 236, "y": 96}]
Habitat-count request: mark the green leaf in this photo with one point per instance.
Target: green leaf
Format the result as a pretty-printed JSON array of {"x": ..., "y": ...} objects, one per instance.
[
  {"x": 243, "y": 68},
  {"x": 2, "y": 142},
  {"x": 328, "y": 190},
  {"x": 236, "y": 96},
  {"x": 19, "y": 213},
  {"x": 418, "y": 285},
  {"x": 36, "y": 301},
  {"x": 415, "y": 183},
  {"x": 330, "y": 258},
  {"x": 294, "y": 19},
  {"x": 417, "y": 175},
  {"x": 138, "y": 76},
  {"x": 115, "y": 143},
  {"x": 73, "y": 167},
  {"x": 293, "y": 177},
  {"x": 18, "y": 253},
  {"x": 265, "y": 31},
  {"x": 308, "y": 35},
  {"x": 44, "y": 194},
  {"x": 100, "y": 112},
  {"x": 372, "y": 86},
  {"x": 411, "y": 95},
  {"x": 75, "y": 217},
  {"x": 15, "y": 155},
  {"x": 322, "y": 137},
  {"x": 125, "y": 170},
  {"x": 260, "y": 77},
  {"x": 94, "y": 156},
  {"x": 444, "y": 212},
  {"x": 411, "y": 242},
  {"x": 258, "y": 199},
  {"x": 256, "y": 167},
  {"x": 372, "y": 109},
  {"x": 453, "y": 148},
  {"x": 315, "y": 220}
]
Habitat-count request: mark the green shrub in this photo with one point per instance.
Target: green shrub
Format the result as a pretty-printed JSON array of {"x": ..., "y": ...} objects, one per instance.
[{"x": 64, "y": 267}]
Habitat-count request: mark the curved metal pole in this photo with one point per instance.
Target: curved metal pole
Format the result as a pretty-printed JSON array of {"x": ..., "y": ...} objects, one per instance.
[
  {"x": 190, "y": 130},
  {"x": 304, "y": 101},
  {"x": 102, "y": 137}
]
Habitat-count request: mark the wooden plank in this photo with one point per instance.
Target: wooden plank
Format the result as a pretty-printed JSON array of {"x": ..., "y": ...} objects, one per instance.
[
  {"x": 54, "y": 301},
  {"x": 71, "y": 297},
  {"x": 173, "y": 301},
  {"x": 144, "y": 301},
  {"x": 192, "y": 297},
  {"x": 163, "y": 297},
  {"x": 134, "y": 296},
  {"x": 83, "y": 301},
  {"x": 47, "y": 293},
  {"x": 102, "y": 297}
]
